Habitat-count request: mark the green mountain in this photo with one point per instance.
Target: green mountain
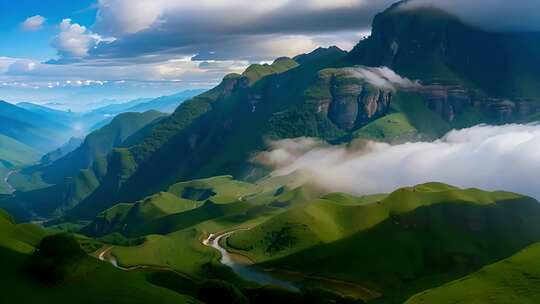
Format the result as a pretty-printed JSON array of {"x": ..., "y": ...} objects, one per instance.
[
  {"x": 52, "y": 188},
  {"x": 99, "y": 143},
  {"x": 322, "y": 94}
]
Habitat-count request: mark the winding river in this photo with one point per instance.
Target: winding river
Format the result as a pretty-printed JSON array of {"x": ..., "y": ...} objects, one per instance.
[{"x": 242, "y": 267}]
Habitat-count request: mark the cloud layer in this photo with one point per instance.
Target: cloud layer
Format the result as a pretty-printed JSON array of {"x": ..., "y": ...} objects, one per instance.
[{"x": 486, "y": 157}]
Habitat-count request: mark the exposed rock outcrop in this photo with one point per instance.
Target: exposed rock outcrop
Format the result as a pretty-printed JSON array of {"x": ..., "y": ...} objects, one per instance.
[
  {"x": 450, "y": 101},
  {"x": 347, "y": 101}
]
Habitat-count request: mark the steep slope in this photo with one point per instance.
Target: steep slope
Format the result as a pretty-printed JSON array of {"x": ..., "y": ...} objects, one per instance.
[
  {"x": 429, "y": 44},
  {"x": 513, "y": 280},
  {"x": 62, "y": 151},
  {"x": 230, "y": 118},
  {"x": 98, "y": 143}
]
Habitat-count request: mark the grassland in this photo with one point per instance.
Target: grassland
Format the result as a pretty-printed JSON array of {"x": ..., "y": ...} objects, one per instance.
[
  {"x": 513, "y": 280},
  {"x": 89, "y": 281},
  {"x": 410, "y": 240}
]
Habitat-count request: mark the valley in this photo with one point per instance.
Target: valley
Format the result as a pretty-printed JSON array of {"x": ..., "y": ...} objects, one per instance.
[{"x": 401, "y": 170}]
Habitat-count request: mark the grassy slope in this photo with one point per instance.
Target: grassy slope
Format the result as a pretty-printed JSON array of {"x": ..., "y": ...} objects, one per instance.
[
  {"x": 178, "y": 245},
  {"x": 513, "y": 280},
  {"x": 429, "y": 234},
  {"x": 91, "y": 281}
]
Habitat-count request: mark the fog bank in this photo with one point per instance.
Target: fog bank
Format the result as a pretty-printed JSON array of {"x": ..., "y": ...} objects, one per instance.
[{"x": 487, "y": 157}]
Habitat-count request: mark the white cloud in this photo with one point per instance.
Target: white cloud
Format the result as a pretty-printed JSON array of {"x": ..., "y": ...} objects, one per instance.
[
  {"x": 486, "y": 157},
  {"x": 382, "y": 77},
  {"x": 74, "y": 40},
  {"x": 33, "y": 23}
]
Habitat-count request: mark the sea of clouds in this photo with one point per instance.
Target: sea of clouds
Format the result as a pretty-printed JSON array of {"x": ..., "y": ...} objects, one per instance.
[{"x": 488, "y": 157}]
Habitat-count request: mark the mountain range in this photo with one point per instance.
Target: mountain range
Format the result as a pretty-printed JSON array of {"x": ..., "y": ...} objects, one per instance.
[{"x": 156, "y": 192}]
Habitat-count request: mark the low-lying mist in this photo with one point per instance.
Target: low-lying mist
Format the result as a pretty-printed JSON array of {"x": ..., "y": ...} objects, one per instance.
[{"x": 487, "y": 157}]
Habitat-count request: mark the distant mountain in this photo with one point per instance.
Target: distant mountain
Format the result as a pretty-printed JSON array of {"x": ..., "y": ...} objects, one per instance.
[
  {"x": 116, "y": 108},
  {"x": 164, "y": 104},
  {"x": 98, "y": 143},
  {"x": 14, "y": 153},
  {"x": 100, "y": 117},
  {"x": 38, "y": 130},
  {"x": 66, "y": 148}
]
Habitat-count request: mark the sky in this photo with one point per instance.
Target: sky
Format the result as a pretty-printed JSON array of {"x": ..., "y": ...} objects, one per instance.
[{"x": 81, "y": 53}]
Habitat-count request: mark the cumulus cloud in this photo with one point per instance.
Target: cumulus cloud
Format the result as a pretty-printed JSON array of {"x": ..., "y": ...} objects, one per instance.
[
  {"x": 33, "y": 23},
  {"x": 486, "y": 157},
  {"x": 74, "y": 40},
  {"x": 495, "y": 15},
  {"x": 382, "y": 77}
]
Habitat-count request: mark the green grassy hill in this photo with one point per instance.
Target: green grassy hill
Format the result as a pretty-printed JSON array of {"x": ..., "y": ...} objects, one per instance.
[
  {"x": 512, "y": 280},
  {"x": 90, "y": 281},
  {"x": 410, "y": 240}
]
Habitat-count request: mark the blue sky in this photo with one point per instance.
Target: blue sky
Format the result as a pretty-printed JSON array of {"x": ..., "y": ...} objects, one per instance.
[
  {"x": 79, "y": 52},
  {"x": 18, "y": 43}
]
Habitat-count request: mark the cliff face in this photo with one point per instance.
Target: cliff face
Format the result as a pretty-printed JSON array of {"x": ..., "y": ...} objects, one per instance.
[
  {"x": 349, "y": 102},
  {"x": 431, "y": 45},
  {"x": 450, "y": 101}
]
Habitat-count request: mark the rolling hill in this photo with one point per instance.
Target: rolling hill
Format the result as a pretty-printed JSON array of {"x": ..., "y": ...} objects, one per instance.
[
  {"x": 512, "y": 280},
  {"x": 410, "y": 240},
  {"x": 89, "y": 281}
]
